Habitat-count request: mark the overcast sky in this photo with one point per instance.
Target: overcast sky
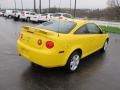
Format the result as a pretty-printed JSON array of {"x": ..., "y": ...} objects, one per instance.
[{"x": 91, "y": 4}]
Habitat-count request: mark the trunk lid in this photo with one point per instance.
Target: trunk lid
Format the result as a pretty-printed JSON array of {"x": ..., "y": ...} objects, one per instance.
[{"x": 33, "y": 37}]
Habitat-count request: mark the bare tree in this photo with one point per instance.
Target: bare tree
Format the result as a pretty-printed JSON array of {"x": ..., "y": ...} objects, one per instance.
[
  {"x": 113, "y": 3},
  {"x": 35, "y": 5},
  {"x": 113, "y": 10}
]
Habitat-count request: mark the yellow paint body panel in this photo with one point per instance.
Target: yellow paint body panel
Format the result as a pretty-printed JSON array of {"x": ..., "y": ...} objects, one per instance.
[{"x": 66, "y": 43}]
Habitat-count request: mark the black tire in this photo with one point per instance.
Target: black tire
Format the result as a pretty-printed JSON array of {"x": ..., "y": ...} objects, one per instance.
[
  {"x": 15, "y": 18},
  {"x": 28, "y": 19},
  {"x": 34, "y": 65},
  {"x": 71, "y": 62},
  {"x": 9, "y": 16},
  {"x": 18, "y": 17}
]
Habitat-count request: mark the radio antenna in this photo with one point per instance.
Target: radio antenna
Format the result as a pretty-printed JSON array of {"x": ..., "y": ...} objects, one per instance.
[{"x": 59, "y": 20}]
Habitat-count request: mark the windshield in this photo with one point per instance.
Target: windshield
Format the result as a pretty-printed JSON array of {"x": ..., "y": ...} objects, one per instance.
[
  {"x": 32, "y": 13},
  {"x": 44, "y": 14},
  {"x": 58, "y": 26}
]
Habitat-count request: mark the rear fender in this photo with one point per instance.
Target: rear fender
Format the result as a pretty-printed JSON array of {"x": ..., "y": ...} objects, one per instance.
[{"x": 70, "y": 51}]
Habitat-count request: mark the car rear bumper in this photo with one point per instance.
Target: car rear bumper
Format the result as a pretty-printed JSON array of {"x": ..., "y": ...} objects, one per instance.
[
  {"x": 23, "y": 17},
  {"x": 34, "y": 19},
  {"x": 41, "y": 57}
]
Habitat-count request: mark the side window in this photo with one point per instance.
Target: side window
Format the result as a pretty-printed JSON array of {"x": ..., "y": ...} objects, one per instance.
[
  {"x": 57, "y": 15},
  {"x": 32, "y": 13},
  {"x": 82, "y": 30},
  {"x": 27, "y": 13},
  {"x": 67, "y": 15},
  {"x": 93, "y": 29}
]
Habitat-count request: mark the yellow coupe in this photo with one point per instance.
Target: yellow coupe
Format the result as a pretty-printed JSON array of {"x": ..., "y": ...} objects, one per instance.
[{"x": 59, "y": 43}]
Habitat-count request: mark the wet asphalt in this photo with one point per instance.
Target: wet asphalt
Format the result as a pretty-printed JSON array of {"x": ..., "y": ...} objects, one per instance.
[{"x": 99, "y": 71}]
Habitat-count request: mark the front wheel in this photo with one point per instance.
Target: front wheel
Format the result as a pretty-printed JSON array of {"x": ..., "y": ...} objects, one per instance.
[
  {"x": 73, "y": 62},
  {"x": 34, "y": 65},
  {"x": 105, "y": 46}
]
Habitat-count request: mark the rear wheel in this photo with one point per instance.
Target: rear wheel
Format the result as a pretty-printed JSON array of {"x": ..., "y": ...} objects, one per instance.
[
  {"x": 73, "y": 62},
  {"x": 28, "y": 19}
]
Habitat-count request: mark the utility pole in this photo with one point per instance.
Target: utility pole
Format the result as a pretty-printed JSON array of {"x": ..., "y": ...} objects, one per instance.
[
  {"x": 15, "y": 4},
  {"x": 75, "y": 9},
  {"x": 40, "y": 6},
  {"x": 59, "y": 6},
  {"x": 35, "y": 5},
  {"x": 49, "y": 6},
  {"x": 22, "y": 4},
  {"x": 0, "y": 6},
  {"x": 70, "y": 5}
]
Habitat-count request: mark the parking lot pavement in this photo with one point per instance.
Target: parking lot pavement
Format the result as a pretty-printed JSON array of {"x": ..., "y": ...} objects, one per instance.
[
  {"x": 107, "y": 23},
  {"x": 99, "y": 71}
]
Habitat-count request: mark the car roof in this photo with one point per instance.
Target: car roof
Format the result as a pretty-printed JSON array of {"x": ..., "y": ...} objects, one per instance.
[
  {"x": 62, "y": 13},
  {"x": 79, "y": 22}
]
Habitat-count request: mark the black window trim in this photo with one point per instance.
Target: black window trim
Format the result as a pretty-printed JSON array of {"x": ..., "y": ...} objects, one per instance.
[{"x": 80, "y": 28}]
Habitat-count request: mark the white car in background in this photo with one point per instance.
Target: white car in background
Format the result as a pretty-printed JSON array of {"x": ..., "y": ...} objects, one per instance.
[
  {"x": 9, "y": 13},
  {"x": 46, "y": 16},
  {"x": 26, "y": 15},
  {"x": 62, "y": 15},
  {"x": 35, "y": 18},
  {"x": 1, "y": 13},
  {"x": 17, "y": 15}
]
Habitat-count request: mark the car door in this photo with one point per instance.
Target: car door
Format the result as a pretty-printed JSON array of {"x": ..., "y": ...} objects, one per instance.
[
  {"x": 97, "y": 36},
  {"x": 84, "y": 40}
]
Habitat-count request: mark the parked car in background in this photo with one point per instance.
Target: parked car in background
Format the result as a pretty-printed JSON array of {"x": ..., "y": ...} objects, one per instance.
[
  {"x": 61, "y": 42},
  {"x": 17, "y": 15},
  {"x": 26, "y": 15},
  {"x": 62, "y": 15},
  {"x": 1, "y": 13},
  {"x": 9, "y": 13},
  {"x": 46, "y": 16},
  {"x": 35, "y": 18}
]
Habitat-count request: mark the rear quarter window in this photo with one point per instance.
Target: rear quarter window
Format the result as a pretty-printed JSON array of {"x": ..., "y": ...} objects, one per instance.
[{"x": 57, "y": 15}]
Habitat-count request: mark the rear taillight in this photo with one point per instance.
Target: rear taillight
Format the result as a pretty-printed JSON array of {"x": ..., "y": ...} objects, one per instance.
[
  {"x": 49, "y": 44},
  {"x": 39, "y": 42},
  {"x": 46, "y": 17},
  {"x": 60, "y": 17}
]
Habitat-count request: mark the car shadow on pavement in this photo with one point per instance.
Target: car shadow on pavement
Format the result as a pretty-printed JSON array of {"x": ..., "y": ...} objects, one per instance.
[
  {"x": 91, "y": 60},
  {"x": 53, "y": 78}
]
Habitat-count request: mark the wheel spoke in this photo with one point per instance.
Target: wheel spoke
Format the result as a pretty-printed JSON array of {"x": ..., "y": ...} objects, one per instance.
[{"x": 74, "y": 62}]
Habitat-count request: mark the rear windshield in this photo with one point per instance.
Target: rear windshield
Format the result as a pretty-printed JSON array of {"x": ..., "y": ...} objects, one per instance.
[
  {"x": 67, "y": 15},
  {"x": 32, "y": 13},
  {"x": 14, "y": 11},
  {"x": 44, "y": 14},
  {"x": 58, "y": 26},
  {"x": 57, "y": 15}
]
